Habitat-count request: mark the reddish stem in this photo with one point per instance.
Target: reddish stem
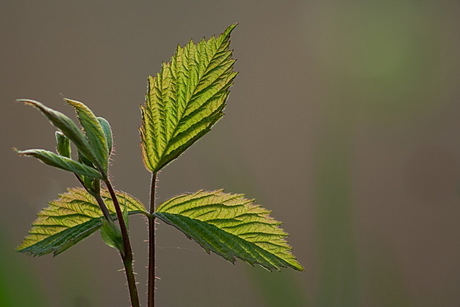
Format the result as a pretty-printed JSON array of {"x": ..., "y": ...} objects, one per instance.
[{"x": 152, "y": 277}]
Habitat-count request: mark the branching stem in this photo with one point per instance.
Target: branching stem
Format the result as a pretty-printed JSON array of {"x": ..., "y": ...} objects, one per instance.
[
  {"x": 99, "y": 200},
  {"x": 103, "y": 207},
  {"x": 152, "y": 277}
]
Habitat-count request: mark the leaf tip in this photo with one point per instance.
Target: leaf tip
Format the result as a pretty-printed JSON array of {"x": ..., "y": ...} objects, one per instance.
[
  {"x": 22, "y": 100},
  {"x": 298, "y": 267},
  {"x": 20, "y": 152},
  {"x": 72, "y": 102},
  {"x": 230, "y": 28},
  {"x": 225, "y": 36},
  {"x": 29, "y": 102}
]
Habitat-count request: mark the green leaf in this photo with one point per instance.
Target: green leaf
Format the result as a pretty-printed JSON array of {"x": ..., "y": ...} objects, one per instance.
[
  {"x": 185, "y": 99},
  {"x": 63, "y": 144},
  {"x": 65, "y": 125},
  {"x": 95, "y": 134},
  {"x": 108, "y": 133},
  {"x": 61, "y": 162},
  {"x": 93, "y": 186},
  {"x": 230, "y": 226},
  {"x": 111, "y": 235},
  {"x": 70, "y": 219}
]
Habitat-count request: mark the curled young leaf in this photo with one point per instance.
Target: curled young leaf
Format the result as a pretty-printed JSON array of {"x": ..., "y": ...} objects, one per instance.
[
  {"x": 65, "y": 125},
  {"x": 92, "y": 185},
  {"x": 230, "y": 226},
  {"x": 185, "y": 99},
  {"x": 108, "y": 133},
  {"x": 72, "y": 217},
  {"x": 67, "y": 164},
  {"x": 95, "y": 134},
  {"x": 62, "y": 144}
]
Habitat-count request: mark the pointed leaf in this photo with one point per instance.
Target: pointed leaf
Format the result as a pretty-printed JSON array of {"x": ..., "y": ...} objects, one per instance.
[
  {"x": 61, "y": 162},
  {"x": 92, "y": 185},
  {"x": 70, "y": 219},
  {"x": 230, "y": 226},
  {"x": 94, "y": 133},
  {"x": 107, "y": 132},
  {"x": 111, "y": 235},
  {"x": 65, "y": 125},
  {"x": 186, "y": 99},
  {"x": 63, "y": 144}
]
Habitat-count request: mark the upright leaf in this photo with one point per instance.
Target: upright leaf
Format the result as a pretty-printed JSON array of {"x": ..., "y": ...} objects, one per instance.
[
  {"x": 61, "y": 162},
  {"x": 93, "y": 186},
  {"x": 94, "y": 133},
  {"x": 70, "y": 219},
  {"x": 230, "y": 226},
  {"x": 108, "y": 133},
  {"x": 111, "y": 235},
  {"x": 185, "y": 99},
  {"x": 63, "y": 144}
]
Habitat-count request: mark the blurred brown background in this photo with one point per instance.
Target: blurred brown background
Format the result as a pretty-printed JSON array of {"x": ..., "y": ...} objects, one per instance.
[{"x": 344, "y": 120}]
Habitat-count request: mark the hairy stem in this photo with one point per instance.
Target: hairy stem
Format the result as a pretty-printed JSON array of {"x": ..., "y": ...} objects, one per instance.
[
  {"x": 152, "y": 277},
  {"x": 103, "y": 207},
  {"x": 99, "y": 200},
  {"x": 126, "y": 253}
]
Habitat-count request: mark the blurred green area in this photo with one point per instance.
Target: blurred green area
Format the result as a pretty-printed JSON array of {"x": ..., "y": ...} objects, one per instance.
[
  {"x": 343, "y": 121},
  {"x": 18, "y": 285}
]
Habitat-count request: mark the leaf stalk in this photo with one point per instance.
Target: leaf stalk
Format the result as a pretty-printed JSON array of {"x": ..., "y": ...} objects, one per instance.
[
  {"x": 126, "y": 253},
  {"x": 99, "y": 200},
  {"x": 151, "y": 273}
]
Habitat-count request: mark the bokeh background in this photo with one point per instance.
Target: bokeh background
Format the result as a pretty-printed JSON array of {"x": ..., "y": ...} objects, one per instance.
[{"x": 344, "y": 121}]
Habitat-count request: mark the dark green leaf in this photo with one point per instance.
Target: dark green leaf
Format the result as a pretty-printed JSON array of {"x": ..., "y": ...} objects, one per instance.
[
  {"x": 62, "y": 144},
  {"x": 61, "y": 162},
  {"x": 65, "y": 125},
  {"x": 93, "y": 186},
  {"x": 111, "y": 235}
]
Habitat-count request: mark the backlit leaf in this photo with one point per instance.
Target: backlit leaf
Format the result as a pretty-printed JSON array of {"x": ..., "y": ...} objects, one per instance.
[
  {"x": 70, "y": 219},
  {"x": 230, "y": 226},
  {"x": 185, "y": 99}
]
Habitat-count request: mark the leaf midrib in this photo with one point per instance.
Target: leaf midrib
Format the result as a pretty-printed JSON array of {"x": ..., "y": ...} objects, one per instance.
[{"x": 180, "y": 122}]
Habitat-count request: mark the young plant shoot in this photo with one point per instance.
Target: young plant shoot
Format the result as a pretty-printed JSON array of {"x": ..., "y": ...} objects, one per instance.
[{"x": 182, "y": 104}]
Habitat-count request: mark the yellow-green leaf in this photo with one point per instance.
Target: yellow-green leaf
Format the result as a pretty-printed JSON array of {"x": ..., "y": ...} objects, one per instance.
[
  {"x": 70, "y": 219},
  {"x": 185, "y": 99},
  {"x": 230, "y": 226}
]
